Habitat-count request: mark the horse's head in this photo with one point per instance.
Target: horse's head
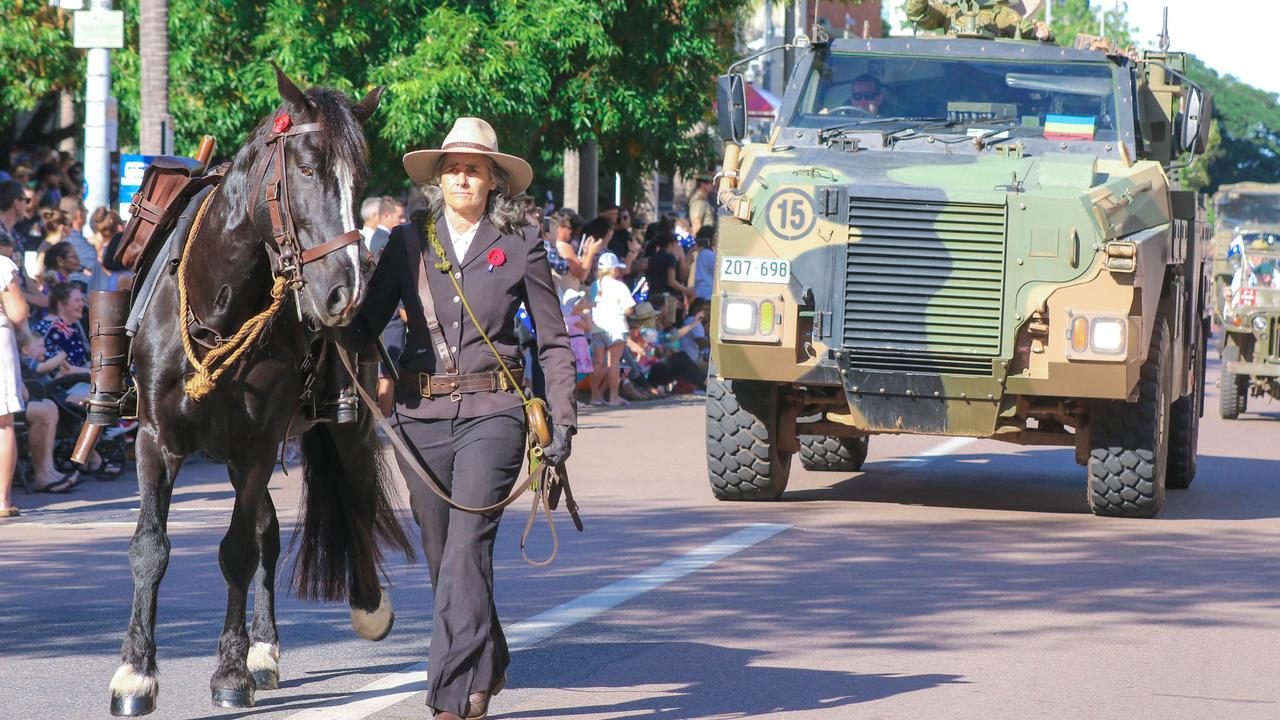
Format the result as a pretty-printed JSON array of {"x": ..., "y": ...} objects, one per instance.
[{"x": 313, "y": 171}]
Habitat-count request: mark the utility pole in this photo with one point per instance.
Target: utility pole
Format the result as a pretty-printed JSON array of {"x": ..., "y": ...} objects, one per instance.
[
  {"x": 766, "y": 63},
  {"x": 153, "y": 47},
  {"x": 99, "y": 123}
]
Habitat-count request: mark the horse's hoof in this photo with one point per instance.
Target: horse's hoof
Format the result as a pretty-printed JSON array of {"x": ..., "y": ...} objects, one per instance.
[
  {"x": 132, "y": 705},
  {"x": 228, "y": 698},
  {"x": 265, "y": 679},
  {"x": 375, "y": 625}
]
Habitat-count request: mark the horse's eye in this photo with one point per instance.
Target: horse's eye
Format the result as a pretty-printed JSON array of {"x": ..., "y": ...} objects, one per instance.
[{"x": 306, "y": 170}]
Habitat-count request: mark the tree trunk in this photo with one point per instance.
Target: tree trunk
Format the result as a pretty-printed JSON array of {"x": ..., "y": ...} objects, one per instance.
[{"x": 153, "y": 41}]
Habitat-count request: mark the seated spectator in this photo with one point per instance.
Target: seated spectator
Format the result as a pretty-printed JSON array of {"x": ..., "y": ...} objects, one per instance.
[
  {"x": 42, "y": 416},
  {"x": 61, "y": 329},
  {"x": 691, "y": 338},
  {"x": 661, "y": 364}
]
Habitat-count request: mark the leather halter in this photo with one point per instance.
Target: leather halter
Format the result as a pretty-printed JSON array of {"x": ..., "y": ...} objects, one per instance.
[{"x": 287, "y": 254}]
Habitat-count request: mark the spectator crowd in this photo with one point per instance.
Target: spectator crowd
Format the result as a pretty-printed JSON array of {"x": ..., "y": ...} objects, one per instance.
[
  {"x": 53, "y": 252},
  {"x": 635, "y": 298}
]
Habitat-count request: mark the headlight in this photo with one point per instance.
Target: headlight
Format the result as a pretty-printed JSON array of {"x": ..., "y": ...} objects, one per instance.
[
  {"x": 1107, "y": 335},
  {"x": 1097, "y": 337},
  {"x": 1260, "y": 323},
  {"x": 747, "y": 319}
]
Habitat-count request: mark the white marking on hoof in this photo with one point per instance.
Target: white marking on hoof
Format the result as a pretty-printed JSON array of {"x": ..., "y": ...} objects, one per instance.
[
  {"x": 374, "y": 625},
  {"x": 264, "y": 656},
  {"x": 129, "y": 683}
]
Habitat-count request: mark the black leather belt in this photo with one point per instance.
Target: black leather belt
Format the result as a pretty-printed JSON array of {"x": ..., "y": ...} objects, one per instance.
[{"x": 456, "y": 385}]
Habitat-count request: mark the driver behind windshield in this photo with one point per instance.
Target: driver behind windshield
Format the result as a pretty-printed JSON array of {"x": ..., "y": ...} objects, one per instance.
[{"x": 868, "y": 95}]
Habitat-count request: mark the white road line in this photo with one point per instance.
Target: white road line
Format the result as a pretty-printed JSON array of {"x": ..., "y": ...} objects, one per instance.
[
  {"x": 411, "y": 680},
  {"x": 933, "y": 453}
]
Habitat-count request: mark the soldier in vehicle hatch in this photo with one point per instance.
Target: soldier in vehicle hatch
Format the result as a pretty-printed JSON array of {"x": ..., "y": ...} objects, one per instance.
[{"x": 1001, "y": 17}]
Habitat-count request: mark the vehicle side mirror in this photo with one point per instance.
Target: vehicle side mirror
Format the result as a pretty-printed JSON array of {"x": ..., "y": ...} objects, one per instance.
[
  {"x": 731, "y": 107},
  {"x": 1197, "y": 109}
]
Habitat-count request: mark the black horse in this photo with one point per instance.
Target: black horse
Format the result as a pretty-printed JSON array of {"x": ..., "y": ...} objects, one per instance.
[{"x": 286, "y": 207}]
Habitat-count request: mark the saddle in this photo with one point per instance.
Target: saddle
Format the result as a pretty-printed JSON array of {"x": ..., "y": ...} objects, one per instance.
[{"x": 167, "y": 187}]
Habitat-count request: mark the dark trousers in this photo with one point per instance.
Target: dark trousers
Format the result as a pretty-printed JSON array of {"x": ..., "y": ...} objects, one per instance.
[{"x": 476, "y": 460}]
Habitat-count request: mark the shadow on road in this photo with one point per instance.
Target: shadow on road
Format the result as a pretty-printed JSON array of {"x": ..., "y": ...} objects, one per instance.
[{"x": 687, "y": 679}]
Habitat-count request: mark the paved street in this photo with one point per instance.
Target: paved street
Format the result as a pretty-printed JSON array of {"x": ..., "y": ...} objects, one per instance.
[{"x": 970, "y": 583}]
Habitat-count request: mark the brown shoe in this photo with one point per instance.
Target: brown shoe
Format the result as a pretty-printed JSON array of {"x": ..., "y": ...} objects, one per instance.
[{"x": 478, "y": 702}]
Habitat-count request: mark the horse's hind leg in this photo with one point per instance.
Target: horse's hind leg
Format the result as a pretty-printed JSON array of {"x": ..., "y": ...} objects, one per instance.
[
  {"x": 264, "y": 653},
  {"x": 135, "y": 685},
  {"x": 232, "y": 685}
]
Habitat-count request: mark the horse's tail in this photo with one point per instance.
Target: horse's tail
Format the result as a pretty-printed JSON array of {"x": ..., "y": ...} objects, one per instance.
[{"x": 347, "y": 517}]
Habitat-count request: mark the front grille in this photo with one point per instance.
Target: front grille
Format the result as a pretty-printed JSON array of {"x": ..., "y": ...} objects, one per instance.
[{"x": 923, "y": 285}]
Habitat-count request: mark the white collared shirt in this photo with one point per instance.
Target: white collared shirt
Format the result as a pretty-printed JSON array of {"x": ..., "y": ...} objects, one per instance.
[{"x": 461, "y": 243}]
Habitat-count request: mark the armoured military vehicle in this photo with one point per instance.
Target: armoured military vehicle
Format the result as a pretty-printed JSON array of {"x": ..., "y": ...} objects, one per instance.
[
  {"x": 968, "y": 236},
  {"x": 1246, "y": 251}
]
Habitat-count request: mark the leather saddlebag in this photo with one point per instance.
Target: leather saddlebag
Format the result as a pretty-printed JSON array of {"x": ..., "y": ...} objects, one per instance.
[{"x": 166, "y": 186}]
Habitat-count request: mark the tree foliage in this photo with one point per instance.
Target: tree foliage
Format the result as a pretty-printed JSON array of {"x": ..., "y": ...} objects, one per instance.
[
  {"x": 635, "y": 75},
  {"x": 36, "y": 60},
  {"x": 1248, "y": 125},
  {"x": 1081, "y": 17}
]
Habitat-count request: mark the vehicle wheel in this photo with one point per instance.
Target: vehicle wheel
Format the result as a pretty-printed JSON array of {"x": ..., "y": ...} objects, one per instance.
[
  {"x": 1233, "y": 396},
  {"x": 1184, "y": 424},
  {"x": 743, "y": 461},
  {"x": 1129, "y": 441},
  {"x": 833, "y": 454}
]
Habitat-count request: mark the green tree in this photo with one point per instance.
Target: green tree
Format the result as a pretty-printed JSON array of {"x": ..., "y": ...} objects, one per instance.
[
  {"x": 1082, "y": 17},
  {"x": 1248, "y": 125},
  {"x": 637, "y": 76},
  {"x": 36, "y": 61}
]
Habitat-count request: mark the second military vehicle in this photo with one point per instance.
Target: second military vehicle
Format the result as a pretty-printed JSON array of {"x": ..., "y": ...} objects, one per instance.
[
  {"x": 969, "y": 236},
  {"x": 1246, "y": 252}
]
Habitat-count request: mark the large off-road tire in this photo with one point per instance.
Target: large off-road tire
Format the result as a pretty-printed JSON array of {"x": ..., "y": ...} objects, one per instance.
[
  {"x": 1129, "y": 442},
  {"x": 1233, "y": 392},
  {"x": 743, "y": 460},
  {"x": 833, "y": 454}
]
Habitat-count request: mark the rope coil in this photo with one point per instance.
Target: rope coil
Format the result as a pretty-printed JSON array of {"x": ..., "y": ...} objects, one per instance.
[{"x": 229, "y": 352}]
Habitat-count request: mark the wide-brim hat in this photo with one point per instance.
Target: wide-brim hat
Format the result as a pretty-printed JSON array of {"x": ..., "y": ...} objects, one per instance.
[
  {"x": 475, "y": 136},
  {"x": 644, "y": 311}
]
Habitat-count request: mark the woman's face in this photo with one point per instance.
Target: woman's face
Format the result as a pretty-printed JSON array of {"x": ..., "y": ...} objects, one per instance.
[
  {"x": 69, "y": 261},
  {"x": 73, "y": 307},
  {"x": 465, "y": 180}
]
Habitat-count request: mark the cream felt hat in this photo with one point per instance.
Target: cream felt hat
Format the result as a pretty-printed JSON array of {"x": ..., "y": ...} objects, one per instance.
[{"x": 469, "y": 135}]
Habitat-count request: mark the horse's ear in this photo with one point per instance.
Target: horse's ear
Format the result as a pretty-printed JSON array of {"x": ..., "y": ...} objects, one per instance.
[
  {"x": 288, "y": 90},
  {"x": 364, "y": 109}
]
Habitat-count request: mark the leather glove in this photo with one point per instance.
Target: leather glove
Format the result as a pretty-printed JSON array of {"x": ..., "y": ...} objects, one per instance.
[{"x": 561, "y": 445}]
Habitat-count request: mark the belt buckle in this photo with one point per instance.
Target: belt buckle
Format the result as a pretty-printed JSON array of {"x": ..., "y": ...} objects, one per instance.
[{"x": 424, "y": 384}]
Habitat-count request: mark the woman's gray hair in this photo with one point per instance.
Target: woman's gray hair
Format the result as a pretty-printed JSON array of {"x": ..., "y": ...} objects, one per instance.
[{"x": 506, "y": 214}]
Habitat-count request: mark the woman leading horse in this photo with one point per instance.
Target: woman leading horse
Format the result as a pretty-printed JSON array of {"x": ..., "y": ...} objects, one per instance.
[
  {"x": 461, "y": 270},
  {"x": 229, "y": 344}
]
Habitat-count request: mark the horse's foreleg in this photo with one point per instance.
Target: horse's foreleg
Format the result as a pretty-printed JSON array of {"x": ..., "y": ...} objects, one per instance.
[
  {"x": 232, "y": 684},
  {"x": 135, "y": 685},
  {"x": 264, "y": 653}
]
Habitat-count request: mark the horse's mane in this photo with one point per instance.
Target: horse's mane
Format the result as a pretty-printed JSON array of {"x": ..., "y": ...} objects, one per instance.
[{"x": 342, "y": 140}]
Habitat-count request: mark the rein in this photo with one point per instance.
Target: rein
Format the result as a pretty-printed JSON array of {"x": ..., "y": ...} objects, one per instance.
[{"x": 284, "y": 251}]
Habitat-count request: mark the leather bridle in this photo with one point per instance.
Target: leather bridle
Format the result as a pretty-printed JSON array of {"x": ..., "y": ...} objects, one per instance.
[{"x": 287, "y": 255}]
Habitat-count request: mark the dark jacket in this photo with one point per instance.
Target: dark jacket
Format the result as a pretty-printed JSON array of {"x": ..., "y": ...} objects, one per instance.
[{"x": 494, "y": 295}]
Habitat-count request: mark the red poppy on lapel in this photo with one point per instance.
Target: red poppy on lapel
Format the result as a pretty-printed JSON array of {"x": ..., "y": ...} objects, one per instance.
[
  {"x": 283, "y": 123},
  {"x": 496, "y": 258}
]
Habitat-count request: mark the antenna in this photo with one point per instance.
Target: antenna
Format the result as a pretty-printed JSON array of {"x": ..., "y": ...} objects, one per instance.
[{"x": 1164, "y": 31}]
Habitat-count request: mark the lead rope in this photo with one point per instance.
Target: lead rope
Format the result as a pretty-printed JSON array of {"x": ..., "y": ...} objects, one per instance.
[{"x": 225, "y": 356}]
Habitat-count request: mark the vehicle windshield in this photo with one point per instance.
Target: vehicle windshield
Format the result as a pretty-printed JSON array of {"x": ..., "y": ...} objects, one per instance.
[
  {"x": 1055, "y": 101},
  {"x": 1237, "y": 209}
]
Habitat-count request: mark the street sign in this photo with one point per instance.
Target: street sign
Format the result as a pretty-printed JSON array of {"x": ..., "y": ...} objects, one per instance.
[
  {"x": 132, "y": 168},
  {"x": 98, "y": 29}
]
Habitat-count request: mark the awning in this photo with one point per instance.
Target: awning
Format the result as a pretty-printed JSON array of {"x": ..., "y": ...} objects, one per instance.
[{"x": 760, "y": 102}]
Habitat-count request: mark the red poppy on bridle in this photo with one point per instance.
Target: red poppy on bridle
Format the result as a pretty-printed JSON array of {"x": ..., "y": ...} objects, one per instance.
[
  {"x": 496, "y": 258},
  {"x": 283, "y": 123}
]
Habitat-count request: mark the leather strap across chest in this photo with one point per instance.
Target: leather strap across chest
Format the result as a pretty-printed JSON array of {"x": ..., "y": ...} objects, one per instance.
[{"x": 443, "y": 354}]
